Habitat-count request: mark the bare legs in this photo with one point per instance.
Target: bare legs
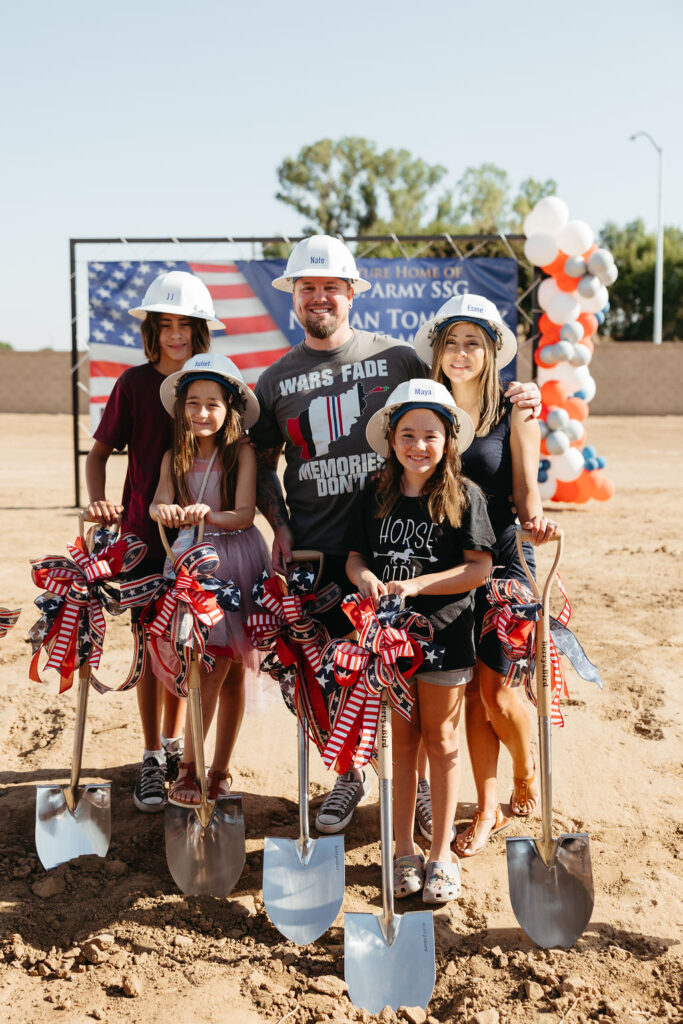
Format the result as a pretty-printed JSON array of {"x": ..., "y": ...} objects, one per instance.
[{"x": 155, "y": 702}]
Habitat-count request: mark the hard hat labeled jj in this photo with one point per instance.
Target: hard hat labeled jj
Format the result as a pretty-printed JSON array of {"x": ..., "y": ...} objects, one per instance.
[
  {"x": 419, "y": 393},
  {"x": 470, "y": 309},
  {"x": 180, "y": 293},
  {"x": 321, "y": 256},
  {"x": 211, "y": 366}
]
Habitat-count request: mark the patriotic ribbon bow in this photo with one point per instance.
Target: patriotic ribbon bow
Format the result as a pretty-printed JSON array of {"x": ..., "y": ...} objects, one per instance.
[
  {"x": 294, "y": 642},
  {"x": 513, "y": 616},
  {"x": 8, "y": 617},
  {"x": 72, "y": 626},
  {"x": 392, "y": 644},
  {"x": 182, "y": 611}
]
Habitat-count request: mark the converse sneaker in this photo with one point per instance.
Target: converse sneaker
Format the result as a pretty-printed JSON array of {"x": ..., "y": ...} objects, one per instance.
[
  {"x": 174, "y": 755},
  {"x": 423, "y": 810},
  {"x": 337, "y": 809},
  {"x": 150, "y": 792}
]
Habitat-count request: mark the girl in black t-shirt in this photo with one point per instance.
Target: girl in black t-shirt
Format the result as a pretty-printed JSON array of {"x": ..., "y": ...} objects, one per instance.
[{"x": 422, "y": 531}]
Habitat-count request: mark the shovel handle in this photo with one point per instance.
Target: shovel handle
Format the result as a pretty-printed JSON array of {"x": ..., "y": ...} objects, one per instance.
[
  {"x": 167, "y": 546},
  {"x": 309, "y": 555},
  {"x": 84, "y": 518}
]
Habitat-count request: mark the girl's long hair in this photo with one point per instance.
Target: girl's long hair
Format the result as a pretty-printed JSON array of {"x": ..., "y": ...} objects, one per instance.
[
  {"x": 149, "y": 328},
  {"x": 445, "y": 493},
  {"x": 185, "y": 449},
  {"x": 491, "y": 392}
]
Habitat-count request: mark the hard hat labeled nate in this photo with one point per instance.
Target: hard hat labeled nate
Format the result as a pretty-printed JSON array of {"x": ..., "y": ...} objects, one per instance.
[
  {"x": 419, "y": 393},
  {"x": 211, "y": 366},
  {"x": 180, "y": 293},
  {"x": 471, "y": 309},
  {"x": 321, "y": 256}
]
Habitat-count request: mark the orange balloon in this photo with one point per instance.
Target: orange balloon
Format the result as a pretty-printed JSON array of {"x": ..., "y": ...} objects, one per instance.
[
  {"x": 589, "y": 322},
  {"x": 550, "y": 334},
  {"x": 545, "y": 324},
  {"x": 544, "y": 449},
  {"x": 577, "y": 408},
  {"x": 566, "y": 283},
  {"x": 603, "y": 487},
  {"x": 567, "y": 490},
  {"x": 554, "y": 392},
  {"x": 557, "y": 266},
  {"x": 589, "y": 251}
]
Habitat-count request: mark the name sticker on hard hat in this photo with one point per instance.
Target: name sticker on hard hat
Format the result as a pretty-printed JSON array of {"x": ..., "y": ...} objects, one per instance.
[{"x": 318, "y": 259}]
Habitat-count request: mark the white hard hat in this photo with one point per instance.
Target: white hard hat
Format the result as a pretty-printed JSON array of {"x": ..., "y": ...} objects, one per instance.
[
  {"x": 180, "y": 293},
  {"x": 472, "y": 309},
  {"x": 321, "y": 256},
  {"x": 211, "y": 366},
  {"x": 419, "y": 393}
]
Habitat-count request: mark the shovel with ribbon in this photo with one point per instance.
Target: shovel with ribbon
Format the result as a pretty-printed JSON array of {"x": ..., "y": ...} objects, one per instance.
[
  {"x": 550, "y": 879},
  {"x": 303, "y": 879},
  {"x": 75, "y": 820}
]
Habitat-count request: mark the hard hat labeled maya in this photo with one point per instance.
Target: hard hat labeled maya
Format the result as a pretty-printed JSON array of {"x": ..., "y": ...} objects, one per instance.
[
  {"x": 321, "y": 256},
  {"x": 472, "y": 309},
  {"x": 180, "y": 293},
  {"x": 419, "y": 393},
  {"x": 211, "y": 366}
]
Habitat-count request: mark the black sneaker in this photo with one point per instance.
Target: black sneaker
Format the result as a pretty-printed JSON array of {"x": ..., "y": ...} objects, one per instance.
[
  {"x": 150, "y": 791},
  {"x": 337, "y": 808},
  {"x": 174, "y": 755}
]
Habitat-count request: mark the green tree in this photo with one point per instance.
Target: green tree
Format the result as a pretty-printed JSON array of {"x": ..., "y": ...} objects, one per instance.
[
  {"x": 5, "y": 346},
  {"x": 631, "y": 313}
]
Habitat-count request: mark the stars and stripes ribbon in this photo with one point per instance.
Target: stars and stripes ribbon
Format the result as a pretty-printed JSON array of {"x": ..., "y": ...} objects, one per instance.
[
  {"x": 8, "y": 617},
  {"x": 513, "y": 617},
  {"x": 179, "y": 612},
  {"x": 77, "y": 591},
  {"x": 294, "y": 642},
  {"x": 392, "y": 644}
]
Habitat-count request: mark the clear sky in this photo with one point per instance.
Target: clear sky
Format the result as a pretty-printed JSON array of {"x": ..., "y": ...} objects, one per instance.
[{"x": 144, "y": 117}]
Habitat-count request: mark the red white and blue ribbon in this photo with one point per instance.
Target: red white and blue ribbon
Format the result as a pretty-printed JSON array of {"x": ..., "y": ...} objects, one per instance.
[
  {"x": 8, "y": 617},
  {"x": 294, "y": 642},
  {"x": 78, "y": 590},
  {"x": 513, "y": 617},
  {"x": 180, "y": 609},
  {"x": 392, "y": 645}
]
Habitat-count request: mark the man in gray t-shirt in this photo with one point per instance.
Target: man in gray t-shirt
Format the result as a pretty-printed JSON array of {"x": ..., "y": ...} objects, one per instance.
[{"x": 315, "y": 402}]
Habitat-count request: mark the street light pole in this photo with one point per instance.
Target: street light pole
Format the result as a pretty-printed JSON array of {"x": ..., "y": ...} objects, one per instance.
[{"x": 659, "y": 259}]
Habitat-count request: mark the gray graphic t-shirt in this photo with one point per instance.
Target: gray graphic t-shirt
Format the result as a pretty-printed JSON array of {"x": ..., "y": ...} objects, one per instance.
[{"x": 318, "y": 404}]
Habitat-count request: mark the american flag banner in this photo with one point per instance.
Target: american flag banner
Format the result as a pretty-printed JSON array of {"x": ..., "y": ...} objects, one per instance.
[{"x": 252, "y": 339}]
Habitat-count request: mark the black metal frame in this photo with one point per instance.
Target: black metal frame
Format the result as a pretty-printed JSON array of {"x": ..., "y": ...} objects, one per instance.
[{"x": 453, "y": 240}]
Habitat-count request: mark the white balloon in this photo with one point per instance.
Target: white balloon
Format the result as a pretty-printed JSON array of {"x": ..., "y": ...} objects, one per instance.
[
  {"x": 548, "y": 216},
  {"x": 569, "y": 465},
  {"x": 599, "y": 261},
  {"x": 575, "y": 237},
  {"x": 546, "y": 289},
  {"x": 588, "y": 387},
  {"x": 540, "y": 249},
  {"x": 574, "y": 377},
  {"x": 588, "y": 286},
  {"x": 575, "y": 266},
  {"x": 572, "y": 331},
  {"x": 557, "y": 442},
  {"x": 543, "y": 429},
  {"x": 574, "y": 430},
  {"x": 563, "y": 307},
  {"x": 557, "y": 419},
  {"x": 547, "y": 488},
  {"x": 581, "y": 356},
  {"x": 610, "y": 275},
  {"x": 593, "y": 303}
]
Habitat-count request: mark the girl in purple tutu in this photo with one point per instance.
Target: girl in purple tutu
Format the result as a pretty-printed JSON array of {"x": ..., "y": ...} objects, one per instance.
[{"x": 210, "y": 475}]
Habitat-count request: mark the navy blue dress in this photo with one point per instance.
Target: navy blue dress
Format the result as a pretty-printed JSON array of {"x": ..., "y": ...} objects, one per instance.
[{"x": 488, "y": 461}]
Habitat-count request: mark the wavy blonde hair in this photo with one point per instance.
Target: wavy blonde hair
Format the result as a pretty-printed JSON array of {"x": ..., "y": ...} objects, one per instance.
[{"x": 491, "y": 393}]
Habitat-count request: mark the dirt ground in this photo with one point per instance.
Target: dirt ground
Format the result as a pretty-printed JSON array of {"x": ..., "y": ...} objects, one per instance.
[{"x": 114, "y": 940}]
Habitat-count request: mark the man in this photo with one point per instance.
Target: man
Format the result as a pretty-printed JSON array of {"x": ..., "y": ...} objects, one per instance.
[{"x": 316, "y": 401}]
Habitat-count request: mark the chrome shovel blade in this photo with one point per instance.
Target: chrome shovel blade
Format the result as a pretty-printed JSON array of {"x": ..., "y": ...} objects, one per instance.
[
  {"x": 62, "y": 835},
  {"x": 303, "y": 891},
  {"x": 206, "y": 861},
  {"x": 552, "y": 904},
  {"x": 380, "y": 974}
]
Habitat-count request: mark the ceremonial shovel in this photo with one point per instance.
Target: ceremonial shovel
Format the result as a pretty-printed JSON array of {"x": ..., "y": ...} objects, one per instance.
[
  {"x": 72, "y": 821},
  {"x": 205, "y": 843},
  {"x": 303, "y": 879},
  {"x": 551, "y": 880},
  {"x": 389, "y": 959}
]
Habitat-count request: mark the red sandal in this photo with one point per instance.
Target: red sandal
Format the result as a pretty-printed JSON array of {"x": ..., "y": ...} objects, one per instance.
[
  {"x": 186, "y": 782},
  {"x": 218, "y": 784}
]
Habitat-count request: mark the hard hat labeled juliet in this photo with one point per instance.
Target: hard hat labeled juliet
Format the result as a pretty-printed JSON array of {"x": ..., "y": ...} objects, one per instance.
[
  {"x": 181, "y": 293},
  {"x": 418, "y": 393},
  {"x": 321, "y": 256},
  {"x": 474, "y": 309},
  {"x": 211, "y": 366}
]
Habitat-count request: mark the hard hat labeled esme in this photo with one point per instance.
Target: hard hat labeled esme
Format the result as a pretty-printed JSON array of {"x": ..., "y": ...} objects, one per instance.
[{"x": 474, "y": 309}]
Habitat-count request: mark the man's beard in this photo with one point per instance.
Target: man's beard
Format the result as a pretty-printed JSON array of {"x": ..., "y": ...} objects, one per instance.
[{"x": 322, "y": 329}]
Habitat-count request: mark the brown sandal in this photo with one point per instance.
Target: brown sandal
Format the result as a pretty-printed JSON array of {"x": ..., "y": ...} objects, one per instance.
[
  {"x": 218, "y": 784},
  {"x": 464, "y": 844},
  {"x": 186, "y": 782},
  {"x": 522, "y": 796}
]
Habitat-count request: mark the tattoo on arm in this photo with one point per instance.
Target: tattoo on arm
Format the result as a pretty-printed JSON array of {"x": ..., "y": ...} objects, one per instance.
[{"x": 269, "y": 497}]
